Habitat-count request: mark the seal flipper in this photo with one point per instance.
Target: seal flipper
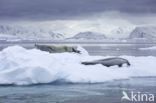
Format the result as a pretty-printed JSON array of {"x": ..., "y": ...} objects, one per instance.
[
  {"x": 128, "y": 64},
  {"x": 120, "y": 65},
  {"x": 76, "y": 51}
]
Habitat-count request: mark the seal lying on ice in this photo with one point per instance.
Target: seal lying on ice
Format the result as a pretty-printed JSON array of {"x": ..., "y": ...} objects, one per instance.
[
  {"x": 108, "y": 62},
  {"x": 57, "y": 49}
]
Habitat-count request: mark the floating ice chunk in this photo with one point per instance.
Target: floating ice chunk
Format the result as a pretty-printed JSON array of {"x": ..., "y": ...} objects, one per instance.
[
  {"x": 148, "y": 48},
  {"x": 24, "y": 67}
]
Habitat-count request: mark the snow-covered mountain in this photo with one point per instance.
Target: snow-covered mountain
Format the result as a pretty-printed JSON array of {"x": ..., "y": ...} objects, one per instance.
[
  {"x": 5, "y": 37},
  {"x": 121, "y": 32},
  {"x": 144, "y": 32},
  {"x": 89, "y": 36},
  {"x": 29, "y": 32}
]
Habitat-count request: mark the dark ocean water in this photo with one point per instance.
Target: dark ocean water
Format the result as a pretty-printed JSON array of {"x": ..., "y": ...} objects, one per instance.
[{"x": 108, "y": 92}]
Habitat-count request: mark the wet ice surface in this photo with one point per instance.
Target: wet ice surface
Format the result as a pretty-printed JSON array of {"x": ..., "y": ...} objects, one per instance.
[{"x": 108, "y": 92}]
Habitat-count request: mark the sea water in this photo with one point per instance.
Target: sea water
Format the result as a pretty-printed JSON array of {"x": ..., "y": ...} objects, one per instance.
[{"x": 27, "y": 78}]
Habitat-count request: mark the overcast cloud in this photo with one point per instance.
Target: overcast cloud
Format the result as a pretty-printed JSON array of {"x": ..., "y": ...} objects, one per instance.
[{"x": 67, "y": 9}]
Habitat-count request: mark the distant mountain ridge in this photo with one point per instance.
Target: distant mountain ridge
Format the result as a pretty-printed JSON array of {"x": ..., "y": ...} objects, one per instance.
[
  {"x": 145, "y": 32},
  {"x": 34, "y": 32},
  {"x": 89, "y": 36},
  {"x": 29, "y": 32}
]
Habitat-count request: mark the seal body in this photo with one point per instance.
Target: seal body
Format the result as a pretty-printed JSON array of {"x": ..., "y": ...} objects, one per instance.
[
  {"x": 56, "y": 49},
  {"x": 108, "y": 62}
]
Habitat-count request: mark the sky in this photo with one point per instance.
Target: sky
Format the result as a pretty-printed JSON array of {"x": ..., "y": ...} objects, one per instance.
[
  {"x": 68, "y": 9},
  {"x": 114, "y": 18}
]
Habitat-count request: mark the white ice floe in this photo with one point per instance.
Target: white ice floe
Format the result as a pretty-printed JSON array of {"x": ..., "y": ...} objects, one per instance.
[
  {"x": 24, "y": 67},
  {"x": 148, "y": 48}
]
